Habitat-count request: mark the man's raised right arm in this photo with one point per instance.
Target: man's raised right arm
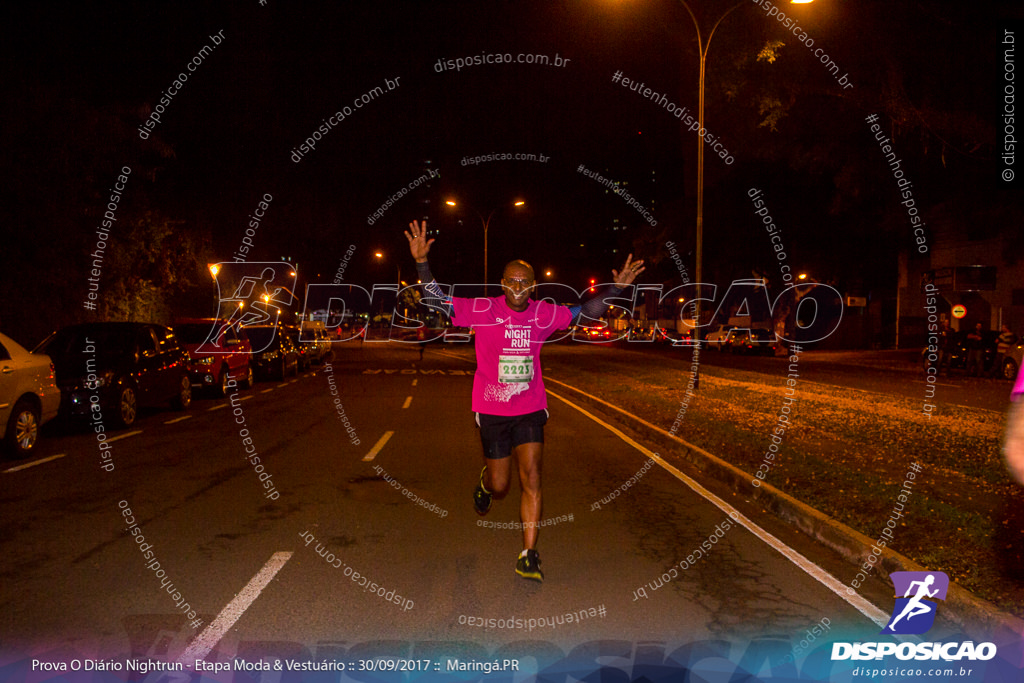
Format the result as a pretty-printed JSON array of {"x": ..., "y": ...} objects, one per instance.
[{"x": 419, "y": 247}]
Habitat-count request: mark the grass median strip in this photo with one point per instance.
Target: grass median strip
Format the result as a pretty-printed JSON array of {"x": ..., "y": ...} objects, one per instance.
[{"x": 846, "y": 455}]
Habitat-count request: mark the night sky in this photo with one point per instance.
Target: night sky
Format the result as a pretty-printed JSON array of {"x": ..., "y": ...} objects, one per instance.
[{"x": 82, "y": 77}]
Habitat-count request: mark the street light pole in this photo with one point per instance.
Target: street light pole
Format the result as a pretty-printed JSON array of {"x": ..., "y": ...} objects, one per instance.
[
  {"x": 703, "y": 46},
  {"x": 486, "y": 222}
]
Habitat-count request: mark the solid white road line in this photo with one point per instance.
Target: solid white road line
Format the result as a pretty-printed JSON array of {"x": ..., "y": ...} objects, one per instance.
[
  {"x": 211, "y": 635},
  {"x": 408, "y": 401},
  {"x": 833, "y": 584},
  {"x": 34, "y": 463},
  {"x": 377, "y": 447}
]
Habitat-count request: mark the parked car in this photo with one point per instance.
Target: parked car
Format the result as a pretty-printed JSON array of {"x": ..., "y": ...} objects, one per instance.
[
  {"x": 594, "y": 334},
  {"x": 717, "y": 337},
  {"x": 307, "y": 350},
  {"x": 127, "y": 365},
  {"x": 756, "y": 341},
  {"x": 958, "y": 357},
  {"x": 279, "y": 357},
  {"x": 1012, "y": 361},
  {"x": 29, "y": 396},
  {"x": 673, "y": 337},
  {"x": 217, "y": 353},
  {"x": 320, "y": 340},
  {"x": 641, "y": 334},
  {"x": 958, "y": 351},
  {"x": 458, "y": 335}
]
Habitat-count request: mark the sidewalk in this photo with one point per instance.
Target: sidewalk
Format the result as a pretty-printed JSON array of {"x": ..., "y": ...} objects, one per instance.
[{"x": 898, "y": 360}]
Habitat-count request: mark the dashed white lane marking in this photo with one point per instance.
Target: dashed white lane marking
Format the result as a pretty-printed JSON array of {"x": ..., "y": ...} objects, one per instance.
[
  {"x": 123, "y": 436},
  {"x": 178, "y": 419},
  {"x": 377, "y": 447},
  {"x": 408, "y": 401},
  {"x": 34, "y": 463},
  {"x": 267, "y": 391},
  {"x": 814, "y": 571},
  {"x": 414, "y": 382},
  {"x": 211, "y": 635}
]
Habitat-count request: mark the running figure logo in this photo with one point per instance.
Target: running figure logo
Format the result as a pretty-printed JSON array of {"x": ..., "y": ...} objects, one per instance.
[{"x": 914, "y": 613}]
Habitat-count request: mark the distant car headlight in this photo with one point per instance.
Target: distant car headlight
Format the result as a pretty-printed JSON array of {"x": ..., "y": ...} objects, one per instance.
[
  {"x": 98, "y": 381},
  {"x": 206, "y": 360}
]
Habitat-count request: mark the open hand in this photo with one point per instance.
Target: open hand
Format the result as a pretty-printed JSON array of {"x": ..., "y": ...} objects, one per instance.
[
  {"x": 419, "y": 245},
  {"x": 630, "y": 271}
]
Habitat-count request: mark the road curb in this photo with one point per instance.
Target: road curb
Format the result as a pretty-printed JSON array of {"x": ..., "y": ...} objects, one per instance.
[{"x": 978, "y": 617}]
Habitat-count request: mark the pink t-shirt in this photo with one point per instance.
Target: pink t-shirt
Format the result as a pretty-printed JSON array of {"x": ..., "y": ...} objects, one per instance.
[
  {"x": 508, "y": 378},
  {"x": 1018, "y": 386}
]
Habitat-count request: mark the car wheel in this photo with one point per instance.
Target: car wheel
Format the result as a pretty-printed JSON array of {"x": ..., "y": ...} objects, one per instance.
[
  {"x": 22, "y": 429},
  {"x": 127, "y": 405},
  {"x": 184, "y": 398},
  {"x": 224, "y": 383},
  {"x": 1010, "y": 369},
  {"x": 250, "y": 377}
]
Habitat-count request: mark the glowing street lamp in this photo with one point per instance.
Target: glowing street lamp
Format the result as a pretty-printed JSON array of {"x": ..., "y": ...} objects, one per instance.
[{"x": 379, "y": 255}]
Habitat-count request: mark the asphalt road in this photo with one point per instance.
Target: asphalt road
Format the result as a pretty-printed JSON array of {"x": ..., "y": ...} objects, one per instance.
[{"x": 271, "y": 576}]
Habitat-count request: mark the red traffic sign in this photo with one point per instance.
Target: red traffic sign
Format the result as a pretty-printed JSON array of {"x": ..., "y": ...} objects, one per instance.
[{"x": 959, "y": 311}]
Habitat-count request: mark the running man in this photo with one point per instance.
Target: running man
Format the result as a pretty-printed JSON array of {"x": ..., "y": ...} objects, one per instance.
[
  {"x": 915, "y": 606},
  {"x": 508, "y": 390}
]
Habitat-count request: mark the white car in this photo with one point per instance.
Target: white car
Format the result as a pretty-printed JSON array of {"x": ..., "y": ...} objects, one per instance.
[
  {"x": 29, "y": 396},
  {"x": 716, "y": 339},
  {"x": 1012, "y": 361}
]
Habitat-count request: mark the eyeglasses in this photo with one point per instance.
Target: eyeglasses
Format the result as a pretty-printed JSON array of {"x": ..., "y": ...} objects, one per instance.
[{"x": 521, "y": 282}]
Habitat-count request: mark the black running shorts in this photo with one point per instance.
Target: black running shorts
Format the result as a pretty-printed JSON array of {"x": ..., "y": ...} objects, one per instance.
[{"x": 501, "y": 433}]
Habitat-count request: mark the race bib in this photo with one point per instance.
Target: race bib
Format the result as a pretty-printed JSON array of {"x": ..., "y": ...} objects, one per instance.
[{"x": 515, "y": 369}]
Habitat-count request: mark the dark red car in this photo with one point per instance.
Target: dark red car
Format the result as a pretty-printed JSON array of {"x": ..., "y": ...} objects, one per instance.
[{"x": 217, "y": 353}]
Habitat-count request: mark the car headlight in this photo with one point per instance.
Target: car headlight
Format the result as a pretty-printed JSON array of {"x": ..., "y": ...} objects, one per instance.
[
  {"x": 206, "y": 360},
  {"x": 98, "y": 381}
]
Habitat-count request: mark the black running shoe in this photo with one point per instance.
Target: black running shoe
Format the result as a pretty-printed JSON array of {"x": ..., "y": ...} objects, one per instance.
[
  {"x": 481, "y": 496},
  {"x": 528, "y": 566}
]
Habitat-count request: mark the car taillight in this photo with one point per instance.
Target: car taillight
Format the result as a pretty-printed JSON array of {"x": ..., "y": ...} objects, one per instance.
[{"x": 53, "y": 371}]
